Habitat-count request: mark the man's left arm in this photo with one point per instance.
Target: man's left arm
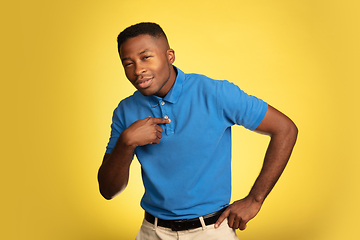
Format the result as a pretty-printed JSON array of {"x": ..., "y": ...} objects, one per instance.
[{"x": 283, "y": 134}]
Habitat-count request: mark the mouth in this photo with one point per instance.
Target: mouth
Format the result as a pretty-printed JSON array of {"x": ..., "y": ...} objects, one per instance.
[{"x": 144, "y": 83}]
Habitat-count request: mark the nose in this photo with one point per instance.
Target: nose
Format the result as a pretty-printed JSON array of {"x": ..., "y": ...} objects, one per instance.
[{"x": 139, "y": 69}]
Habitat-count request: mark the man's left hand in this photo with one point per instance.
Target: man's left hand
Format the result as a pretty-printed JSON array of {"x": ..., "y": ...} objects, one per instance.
[{"x": 239, "y": 213}]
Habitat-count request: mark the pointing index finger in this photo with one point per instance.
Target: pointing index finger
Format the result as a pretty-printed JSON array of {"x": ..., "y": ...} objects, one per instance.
[{"x": 161, "y": 120}]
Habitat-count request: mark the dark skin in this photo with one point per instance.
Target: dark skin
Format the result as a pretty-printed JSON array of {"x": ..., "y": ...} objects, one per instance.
[
  {"x": 148, "y": 66},
  {"x": 283, "y": 134},
  {"x": 113, "y": 174},
  {"x": 145, "y": 59}
]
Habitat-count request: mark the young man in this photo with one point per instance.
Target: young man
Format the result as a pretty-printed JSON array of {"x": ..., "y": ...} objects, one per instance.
[{"x": 179, "y": 127}]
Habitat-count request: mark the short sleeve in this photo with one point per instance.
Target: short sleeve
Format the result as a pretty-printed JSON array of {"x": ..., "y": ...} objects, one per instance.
[
  {"x": 237, "y": 107},
  {"x": 116, "y": 130}
]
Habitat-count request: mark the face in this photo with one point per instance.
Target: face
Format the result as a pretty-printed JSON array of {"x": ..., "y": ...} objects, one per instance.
[{"x": 147, "y": 63}]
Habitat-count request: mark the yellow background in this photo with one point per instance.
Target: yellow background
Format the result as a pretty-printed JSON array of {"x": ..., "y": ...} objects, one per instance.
[{"x": 61, "y": 79}]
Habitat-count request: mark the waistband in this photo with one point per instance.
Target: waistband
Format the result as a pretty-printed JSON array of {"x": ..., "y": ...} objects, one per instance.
[{"x": 185, "y": 224}]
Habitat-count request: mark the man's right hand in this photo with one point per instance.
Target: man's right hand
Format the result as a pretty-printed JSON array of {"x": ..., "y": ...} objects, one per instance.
[
  {"x": 113, "y": 174},
  {"x": 145, "y": 131}
]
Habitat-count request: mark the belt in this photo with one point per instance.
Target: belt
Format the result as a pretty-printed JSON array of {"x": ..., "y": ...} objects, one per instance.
[{"x": 185, "y": 224}]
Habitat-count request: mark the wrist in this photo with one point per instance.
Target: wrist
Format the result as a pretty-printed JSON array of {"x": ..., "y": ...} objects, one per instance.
[
  {"x": 256, "y": 197},
  {"x": 126, "y": 140}
]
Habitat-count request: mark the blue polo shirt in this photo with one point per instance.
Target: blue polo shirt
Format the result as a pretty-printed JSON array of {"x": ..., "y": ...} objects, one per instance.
[{"x": 188, "y": 174}]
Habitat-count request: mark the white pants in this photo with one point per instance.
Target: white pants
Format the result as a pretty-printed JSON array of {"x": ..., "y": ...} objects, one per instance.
[{"x": 150, "y": 231}]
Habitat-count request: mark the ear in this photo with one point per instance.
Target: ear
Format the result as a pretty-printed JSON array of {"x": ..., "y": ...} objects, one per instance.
[{"x": 170, "y": 53}]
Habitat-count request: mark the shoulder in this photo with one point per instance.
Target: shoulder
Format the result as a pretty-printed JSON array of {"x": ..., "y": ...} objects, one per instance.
[
  {"x": 128, "y": 108},
  {"x": 189, "y": 77},
  {"x": 134, "y": 97},
  {"x": 202, "y": 81},
  {"x": 205, "y": 80},
  {"x": 210, "y": 84},
  {"x": 129, "y": 101}
]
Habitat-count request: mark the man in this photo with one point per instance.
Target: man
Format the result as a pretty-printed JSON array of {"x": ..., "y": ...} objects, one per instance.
[{"x": 179, "y": 127}]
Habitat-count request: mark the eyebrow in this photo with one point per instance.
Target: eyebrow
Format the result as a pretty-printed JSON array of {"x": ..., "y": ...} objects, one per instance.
[{"x": 142, "y": 52}]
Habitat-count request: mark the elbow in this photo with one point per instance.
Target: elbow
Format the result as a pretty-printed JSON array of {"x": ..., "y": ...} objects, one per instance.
[
  {"x": 288, "y": 132},
  {"x": 293, "y": 130},
  {"x": 107, "y": 196},
  {"x": 110, "y": 187},
  {"x": 103, "y": 191},
  {"x": 110, "y": 193}
]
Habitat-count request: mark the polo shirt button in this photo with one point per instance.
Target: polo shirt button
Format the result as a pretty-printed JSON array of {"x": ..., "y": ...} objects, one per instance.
[
  {"x": 162, "y": 103},
  {"x": 166, "y": 116}
]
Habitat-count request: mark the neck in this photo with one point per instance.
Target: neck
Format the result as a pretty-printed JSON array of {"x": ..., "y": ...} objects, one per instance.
[{"x": 169, "y": 83}]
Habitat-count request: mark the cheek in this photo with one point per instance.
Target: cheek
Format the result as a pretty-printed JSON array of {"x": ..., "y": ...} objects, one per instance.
[
  {"x": 128, "y": 74},
  {"x": 163, "y": 68}
]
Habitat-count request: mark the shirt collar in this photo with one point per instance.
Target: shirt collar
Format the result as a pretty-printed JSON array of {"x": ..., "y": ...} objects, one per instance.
[{"x": 173, "y": 95}]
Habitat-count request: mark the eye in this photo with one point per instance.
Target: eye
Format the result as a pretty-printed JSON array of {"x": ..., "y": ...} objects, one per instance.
[
  {"x": 146, "y": 57},
  {"x": 127, "y": 64}
]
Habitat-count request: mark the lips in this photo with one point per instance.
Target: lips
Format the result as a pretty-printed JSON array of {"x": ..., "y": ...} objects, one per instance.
[{"x": 144, "y": 83}]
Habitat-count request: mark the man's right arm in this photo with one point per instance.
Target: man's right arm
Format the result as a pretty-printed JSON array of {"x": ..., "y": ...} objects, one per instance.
[{"x": 113, "y": 174}]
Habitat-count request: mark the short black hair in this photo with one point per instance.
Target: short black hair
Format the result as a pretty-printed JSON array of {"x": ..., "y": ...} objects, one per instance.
[{"x": 149, "y": 28}]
